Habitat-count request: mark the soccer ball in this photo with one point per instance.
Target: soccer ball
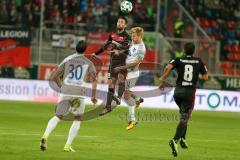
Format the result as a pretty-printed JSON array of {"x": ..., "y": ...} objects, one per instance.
[{"x": 126, "y": 7}]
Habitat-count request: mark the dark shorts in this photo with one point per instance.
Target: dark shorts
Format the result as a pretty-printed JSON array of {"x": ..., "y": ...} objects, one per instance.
[
  {"x": 112, "y": 74},
  {"x": 185, "y": 99}
]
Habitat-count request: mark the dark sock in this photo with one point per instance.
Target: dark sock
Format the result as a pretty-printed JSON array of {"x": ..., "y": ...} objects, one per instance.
[
  {"x": 181, "y": 128},
  {"x": 184, "y": 133},
  {"x": 109, "y": 96},
  {"x": 121, "y": 89}
]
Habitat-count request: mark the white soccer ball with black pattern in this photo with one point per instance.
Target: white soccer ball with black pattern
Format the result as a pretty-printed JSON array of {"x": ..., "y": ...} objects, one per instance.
[{"x": 126, "y": 6}]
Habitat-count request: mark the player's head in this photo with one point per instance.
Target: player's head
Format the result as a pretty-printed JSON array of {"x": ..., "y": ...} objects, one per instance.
[
  {"x": 137, "y": 34},
  {"x": 189, "y": 48},
  {"x": 121, "y": 23},
  {"x": 81, "y": 47}
]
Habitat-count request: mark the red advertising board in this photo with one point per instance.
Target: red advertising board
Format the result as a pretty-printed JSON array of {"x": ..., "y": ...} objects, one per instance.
[
  {"x": 15, "y": 47},
  {"x": 45, "y": 71}
]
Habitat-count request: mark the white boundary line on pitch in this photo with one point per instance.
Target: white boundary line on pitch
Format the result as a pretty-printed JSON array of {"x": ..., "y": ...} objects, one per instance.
[
  {"x": 81, "y": 136},
  {"x": 35, "y": 134},
  {"x": 199, "y": 140}
]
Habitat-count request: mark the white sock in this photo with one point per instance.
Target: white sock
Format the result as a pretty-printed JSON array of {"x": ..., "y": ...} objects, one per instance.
[
  {"x": 73, "y": 132},
  {"x": 132, "y": 113},
  {"x": 52, "y": 123}
]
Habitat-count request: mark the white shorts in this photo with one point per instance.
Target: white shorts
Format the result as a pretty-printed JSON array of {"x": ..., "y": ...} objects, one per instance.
[
  {"x": 70, "y": 104},
  {"x": 131, "y": 79}
]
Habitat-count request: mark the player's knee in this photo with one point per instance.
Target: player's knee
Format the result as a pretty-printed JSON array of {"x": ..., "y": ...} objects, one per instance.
[
  {"x": 110, "y": 85},
  {"x": 120, "y": 78},
  {"x": 184, "y": 119},
  {"x": 110, "y": 81},
  {"x": 78, "y": 118},
  {"x": 127, "y": 95},
  {"x": 60, "y": 116}
]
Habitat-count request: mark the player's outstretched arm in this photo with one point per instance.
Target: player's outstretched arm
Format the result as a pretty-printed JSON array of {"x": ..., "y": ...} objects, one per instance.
[
  {"x": 127, "y": 66},
  {"x": 104, "y": 47},
  {"x": 93, "y": 79},
  {"x": 166, "y": 72},
  {"x": 56, "y": 77},
  {"x": 94, "y": 90},
  {"x": 203, "y": 71}
]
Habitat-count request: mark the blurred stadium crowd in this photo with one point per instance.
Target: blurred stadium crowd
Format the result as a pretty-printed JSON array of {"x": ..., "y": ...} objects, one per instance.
[
  {"x": 95, "y": 14},
  {"x": 220, "y": 19}
]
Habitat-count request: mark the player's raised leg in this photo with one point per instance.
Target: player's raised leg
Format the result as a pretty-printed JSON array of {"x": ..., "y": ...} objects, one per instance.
[
  {"x": 110, "y": 94},
  {"x": 131, "y": 108},
  {"x": 138, "y": 100},
  {"x": 121, "y": 84}
]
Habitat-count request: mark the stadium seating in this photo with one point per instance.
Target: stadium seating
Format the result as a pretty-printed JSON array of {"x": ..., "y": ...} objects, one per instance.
[{"x": 220, "y": 20}]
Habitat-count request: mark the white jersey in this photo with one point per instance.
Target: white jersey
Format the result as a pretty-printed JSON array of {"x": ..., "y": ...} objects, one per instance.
[
  {"x": 136, "y": 52},
  {"x": 74, "y": 69}
]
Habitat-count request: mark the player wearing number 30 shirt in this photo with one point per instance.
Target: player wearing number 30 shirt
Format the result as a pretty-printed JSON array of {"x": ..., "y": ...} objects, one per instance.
[
  {"x": 71, "y": 74},
  {"x": 189, "y": 69}
]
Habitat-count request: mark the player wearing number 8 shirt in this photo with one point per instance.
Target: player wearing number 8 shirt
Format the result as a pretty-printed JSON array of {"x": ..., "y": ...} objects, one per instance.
[{"x": 189, "y": 69}]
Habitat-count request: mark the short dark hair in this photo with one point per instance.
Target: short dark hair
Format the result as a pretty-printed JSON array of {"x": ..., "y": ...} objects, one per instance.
[
  {"x": 81, "y": 47},
  {"x": 124, "y": 18},
  {"x": 189, "y": 48}
]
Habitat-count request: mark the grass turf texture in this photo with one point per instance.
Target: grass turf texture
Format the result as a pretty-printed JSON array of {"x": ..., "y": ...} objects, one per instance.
[{"x": 211, "y": 135}]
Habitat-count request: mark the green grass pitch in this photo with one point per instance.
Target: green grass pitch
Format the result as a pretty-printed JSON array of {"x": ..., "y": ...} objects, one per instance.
[{"x": 211, "y": 135}]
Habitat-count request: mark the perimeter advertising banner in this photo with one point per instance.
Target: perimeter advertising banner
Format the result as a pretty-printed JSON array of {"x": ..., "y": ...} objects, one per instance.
[
  {"x": 15, "y": 47},
  {"x": 65, "y": 40},
  {"x": 26, "y": 90},
  {"x": 222, "y": 82},
  {"x": 39, "y": 91}
]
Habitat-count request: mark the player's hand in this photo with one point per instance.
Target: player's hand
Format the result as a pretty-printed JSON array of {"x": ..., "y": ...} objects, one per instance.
[
  {"x": 94, "y": 55},
  {"x": 115, "y": 52},
  {"x": 94, "y": 100},
  {"x": 161, "y": 86},
  {"x": 116, "y": 69}
]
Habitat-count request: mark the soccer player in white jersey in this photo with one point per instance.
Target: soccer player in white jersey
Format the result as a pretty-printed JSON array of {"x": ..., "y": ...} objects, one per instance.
[
  {"x": 137, "y": 52},
  {"x": 74, "y": 69}
]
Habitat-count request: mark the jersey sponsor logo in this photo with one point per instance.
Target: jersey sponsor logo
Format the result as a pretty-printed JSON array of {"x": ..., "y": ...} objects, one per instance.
[
  {"x": 187, "y": 84},
  {"x": 189, "y": 61},
  {"x": 121, "y": 38},
  {"x": 118, "y": 38}
]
